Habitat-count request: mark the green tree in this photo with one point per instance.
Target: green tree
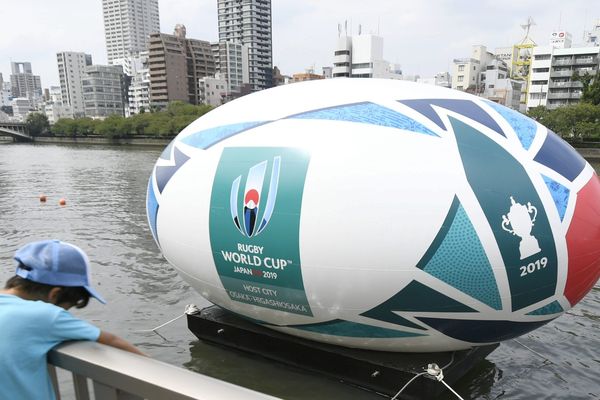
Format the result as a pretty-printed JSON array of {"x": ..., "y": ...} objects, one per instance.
[
  {"x": 139, "y": 123},
  {"x": 86, "y": 126},
  {"x": 591, "y": 87},
  {"x": 64, "y": 127},
  {"x": 37, "y": 124},
  {"x": 111, "y": 126},
  {"x": 579, "y": 122}
]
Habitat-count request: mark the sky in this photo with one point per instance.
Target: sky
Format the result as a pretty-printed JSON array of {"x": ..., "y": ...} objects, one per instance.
[{"x": 423, "y": 36}]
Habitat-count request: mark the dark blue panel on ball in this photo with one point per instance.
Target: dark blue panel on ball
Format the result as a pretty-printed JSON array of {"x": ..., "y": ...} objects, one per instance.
[
  {"x": 208, "y": 137},
  {"x": 353, "y": 329},
  {"x": 477, "y": 331},
  {"x": 367, "y": 113},
  {"x": 558, "y": 155},
  {"x": 464, "y": 107},
  {"x": 164, "y": 173}
]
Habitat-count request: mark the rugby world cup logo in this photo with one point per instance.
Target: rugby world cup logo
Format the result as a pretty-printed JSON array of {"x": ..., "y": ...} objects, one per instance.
[{"x": 248, "y": 223}]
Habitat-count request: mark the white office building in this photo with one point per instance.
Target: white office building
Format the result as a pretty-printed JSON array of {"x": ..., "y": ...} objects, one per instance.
[
  {"x": 21, "y": 106},
  {"x": 592, "y": 37},
  {"x": 467, "y": 72},
  {"x": 54, "y": 107},
  {"x": 499, "y": 87},
  {"x": 551, "y": 82},
  {"x": 248, "y": 22},
  {"x": 213, "y": 90},
  {"x": 361, "y": 56},
  {"x": 71, "y": 69},
  {"x": 5, "y": 93},
  {"x": 139, "y": 90},
  {"x": 128, "y": 25},
  {"x": 231, "y": 63},
  {"x": 104, "y": 91}
]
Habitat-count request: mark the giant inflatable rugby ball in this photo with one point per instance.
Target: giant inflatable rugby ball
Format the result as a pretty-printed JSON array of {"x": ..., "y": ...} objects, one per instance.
[{"x": 378, "y": 214}]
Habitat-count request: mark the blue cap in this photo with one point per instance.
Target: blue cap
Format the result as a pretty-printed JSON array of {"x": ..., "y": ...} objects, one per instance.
[{"x": 57, "y": 263}]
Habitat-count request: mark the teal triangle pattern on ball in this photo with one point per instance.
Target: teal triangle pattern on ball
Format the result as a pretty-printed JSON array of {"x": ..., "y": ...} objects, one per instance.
[
  {"x": 457, "y": 257},
  {"x": 552, "y": 308},
  {"x": 354, "y": 329}
]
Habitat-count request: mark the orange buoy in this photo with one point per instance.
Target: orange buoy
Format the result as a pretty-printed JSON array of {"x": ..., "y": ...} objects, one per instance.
[
  {"x": 62, "y": 202},
  {"x": 43, "y": 198}
]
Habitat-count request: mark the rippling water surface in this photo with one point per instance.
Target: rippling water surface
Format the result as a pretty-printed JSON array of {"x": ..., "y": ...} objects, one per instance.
[{"x": 105, "y": 189}]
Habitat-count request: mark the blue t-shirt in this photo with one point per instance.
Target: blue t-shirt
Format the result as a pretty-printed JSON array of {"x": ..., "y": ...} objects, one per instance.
[{"x": 28, "y": 330}]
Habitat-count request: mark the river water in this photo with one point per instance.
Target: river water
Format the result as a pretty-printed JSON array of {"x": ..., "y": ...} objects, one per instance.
[{"x": 105, "y": 188}]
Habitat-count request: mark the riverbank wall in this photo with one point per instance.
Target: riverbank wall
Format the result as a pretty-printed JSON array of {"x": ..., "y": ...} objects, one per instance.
[
  {"x": 589, "y": 153},
  {"x": 159, "y": 142}
]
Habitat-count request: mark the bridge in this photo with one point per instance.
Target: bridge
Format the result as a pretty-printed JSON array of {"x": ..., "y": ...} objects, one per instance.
[{"x": 16, "y": 130}]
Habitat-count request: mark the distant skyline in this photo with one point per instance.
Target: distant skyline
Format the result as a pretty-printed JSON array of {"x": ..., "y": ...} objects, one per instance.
[{"x": 422, "y": 36}]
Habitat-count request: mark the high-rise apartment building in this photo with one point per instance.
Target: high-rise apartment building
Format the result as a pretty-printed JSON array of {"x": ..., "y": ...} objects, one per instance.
[
  {"x": 24, "y": 84},
  {"x": 128, "y": 25},
  {"x": 71, "y": 68},
  {"x": 175, "y": 65},
  {"x": 248, "y": 22}
]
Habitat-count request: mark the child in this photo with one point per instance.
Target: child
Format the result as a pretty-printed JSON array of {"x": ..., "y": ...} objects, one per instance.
[{"x": 51, "y": 277}]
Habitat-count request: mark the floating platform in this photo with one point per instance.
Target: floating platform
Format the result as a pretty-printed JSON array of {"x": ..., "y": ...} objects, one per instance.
[{"x": 382, "y": 372}]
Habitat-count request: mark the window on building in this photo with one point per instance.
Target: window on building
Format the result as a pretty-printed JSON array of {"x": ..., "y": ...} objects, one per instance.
[
  {"x": 460, "y": 78},
  {"x": 461, "y": 67}
]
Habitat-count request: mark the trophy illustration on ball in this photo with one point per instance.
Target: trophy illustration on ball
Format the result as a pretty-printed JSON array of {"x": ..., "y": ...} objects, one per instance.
[{"x": 519, "y": 221}]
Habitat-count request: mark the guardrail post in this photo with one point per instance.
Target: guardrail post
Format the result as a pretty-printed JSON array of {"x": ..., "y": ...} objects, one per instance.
[
  {"x": 81, "y": 387},
  {"x": 54, "y": 380}
]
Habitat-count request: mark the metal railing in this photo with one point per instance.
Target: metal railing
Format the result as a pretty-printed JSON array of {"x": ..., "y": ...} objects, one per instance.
[{"x": 118, "y": 375}]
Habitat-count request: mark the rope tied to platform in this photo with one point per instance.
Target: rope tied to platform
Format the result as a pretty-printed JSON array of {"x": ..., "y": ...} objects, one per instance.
[
  {"x": 434, "y": 371},
  {"x": 190, "y": 309}
]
